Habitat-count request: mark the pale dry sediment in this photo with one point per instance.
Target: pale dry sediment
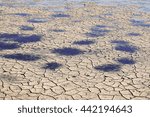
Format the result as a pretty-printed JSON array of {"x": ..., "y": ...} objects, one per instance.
[{"x": 90, "y": 52}]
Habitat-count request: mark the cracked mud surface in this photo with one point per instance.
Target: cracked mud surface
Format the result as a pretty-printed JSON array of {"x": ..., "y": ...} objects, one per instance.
[{"x": 91, "y": 52}]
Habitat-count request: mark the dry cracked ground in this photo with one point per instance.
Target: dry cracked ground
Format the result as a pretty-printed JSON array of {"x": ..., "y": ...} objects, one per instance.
[{"x": 84, "y": 52}]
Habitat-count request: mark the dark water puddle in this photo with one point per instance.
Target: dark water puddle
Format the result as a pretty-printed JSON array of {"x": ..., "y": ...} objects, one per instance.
[
  {"x": 38, "y": 20},
  {"x": 20, "y": 38},
  {"x": 52, "y": 66},
  {"x": 8, "y": 46},
  {"x": 140, "y": 23},
  {"x": 134, "y": 34},
  {"x": 22, "y": 57},
  {"x": 97, "y": 31},
  {"x": 108, "y": 67},
  {"x": 67, "y": 51},
  {"x": 27, "y": 28},
  {"x": 84, "y": 42},
  {"x": 22, "y": 14},
  {"x": 126, "y": 61},
  {"x": 61, "y": 15}
]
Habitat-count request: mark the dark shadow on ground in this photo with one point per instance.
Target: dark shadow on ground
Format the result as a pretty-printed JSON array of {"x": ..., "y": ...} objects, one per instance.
[
  {"x": 8, "y": 46},
  {"x": 84, "y": 42},
  {"x": 52, "y": 66},
  {"x": 67, "y": 51},
  {"x": 27, "y": 28},
  {"x": 22, "y": 57},
  {"x": 108, "y": 68},
  {"x": 126, "y": 61}
]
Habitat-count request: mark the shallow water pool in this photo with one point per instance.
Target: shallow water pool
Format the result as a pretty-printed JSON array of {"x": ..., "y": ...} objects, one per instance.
[{"x": 143, "y": 4}]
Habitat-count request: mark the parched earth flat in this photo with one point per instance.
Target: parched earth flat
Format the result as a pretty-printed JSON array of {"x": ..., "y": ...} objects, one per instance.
[{"x": 90, "y": 52}]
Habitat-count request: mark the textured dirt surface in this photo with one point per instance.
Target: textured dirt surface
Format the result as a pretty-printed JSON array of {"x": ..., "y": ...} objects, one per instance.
[{"x": 89, "y": 52}]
